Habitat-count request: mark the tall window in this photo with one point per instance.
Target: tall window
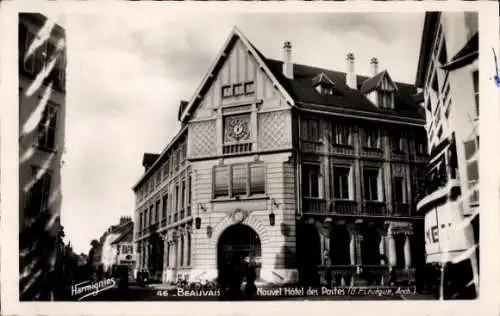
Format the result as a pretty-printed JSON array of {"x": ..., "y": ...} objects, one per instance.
[
  {"x": 239, "y": 177},
  {"x": 164, "y": 206},
  {"x": 140, "y": 221},
  {"x": 385, "y": 99},
  {"x": 181, "y": 263},
  {"x": 177, "y": 204},
  {"x": 183, "y": 193},
  {"x": 398, "y": 142},
  {"x": 310, "y": 181},
  {"x": 47, "y": 127},
  {"x": 399, "y": 189},
  {"x": 310, "y": 130},
  {"x": 157, "y": 212},
  {"x": 40, "y": 57},
  {"x": 189, "y": 188},
  {"x": 370, "y": 182},
  {"x": 372, "y": 138},
  {"x": 342, "y": 134},
  {"x": 341, "y": 183},
  {"x": 29, "y": 63},
  {"x": 475, "y": 78},
  {"x": 151, "y": 214},
  {"x": 257, "y": 179},
  {"x": 39, "y": 193},
  {"x": 221, "y": 179}
]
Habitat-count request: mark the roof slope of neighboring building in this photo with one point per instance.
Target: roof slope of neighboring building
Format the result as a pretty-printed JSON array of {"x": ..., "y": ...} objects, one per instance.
[
  {"x": 466, "y": 55},
  {"x": 125, "y": 233}
]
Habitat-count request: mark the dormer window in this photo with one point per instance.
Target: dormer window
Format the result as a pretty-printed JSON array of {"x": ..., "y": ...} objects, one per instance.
[{"x": 323, "y": 84}]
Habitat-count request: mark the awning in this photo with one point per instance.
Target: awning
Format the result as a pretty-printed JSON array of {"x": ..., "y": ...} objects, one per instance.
[{"x": 466, "y": 55}]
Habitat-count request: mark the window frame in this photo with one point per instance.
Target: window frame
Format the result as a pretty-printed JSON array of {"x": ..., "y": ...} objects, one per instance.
[
  {"x": 307, "y": 168},
  {"x": 226, "y": 91},
  {"x": 337, "y": 179},
  {"x": 28, "y": 43},
  {"x": 476, "y": 89},
  {"x": 247, "y": 90},
  {"x": 404, "y": 197},
  {"x": 378, "y": 189},
  {"x": 246, "y": 167},
  {"x": 368, "y": 141},
  {"x": 238, "y": 89},
  {"x": 47, "y": 127},
  {"x": 342, "y": 135}
]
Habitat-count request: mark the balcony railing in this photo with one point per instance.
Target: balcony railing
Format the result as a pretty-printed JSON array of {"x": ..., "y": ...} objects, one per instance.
[
  {"x": 401, "y": 209},
  {"x": 398, "y": 155},
  {"x": 344, "y": 150},
  {"x": 376, "y": 208},
  {"x": 237, "y": 148},
  {"x": 345, "y": 207},
  {"x": 311, "y": 146},
  {"x": 315, "y": 205},
  {"x": 369, "y": 152}
]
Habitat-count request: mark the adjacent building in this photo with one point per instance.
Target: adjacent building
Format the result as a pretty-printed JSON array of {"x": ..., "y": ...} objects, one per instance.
[
  {"x": 313, "y": 173},
  {"x": 42, "y": 62},
  {"x": 117, "y": 248},
  {"x": 448, "y": 72}
]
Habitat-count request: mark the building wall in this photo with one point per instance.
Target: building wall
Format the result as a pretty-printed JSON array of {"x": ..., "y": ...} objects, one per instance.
[{"x": 39, "y": 166}]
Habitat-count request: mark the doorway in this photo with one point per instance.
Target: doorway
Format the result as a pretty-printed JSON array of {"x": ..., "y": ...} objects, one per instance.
[{"x": 237, "y": 243}]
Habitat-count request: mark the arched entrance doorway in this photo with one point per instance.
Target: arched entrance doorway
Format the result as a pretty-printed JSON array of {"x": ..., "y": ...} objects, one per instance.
[{"x": 235, "y": 244}]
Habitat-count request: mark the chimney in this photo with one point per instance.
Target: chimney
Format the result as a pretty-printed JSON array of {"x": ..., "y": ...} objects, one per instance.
[
  {"x": 287, "y": 60},
  {"x": 351, "y": 74},
  {"x": 374, "y": 65}
]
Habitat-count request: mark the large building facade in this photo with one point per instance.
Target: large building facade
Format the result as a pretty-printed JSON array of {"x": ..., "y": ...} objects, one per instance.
[
  {"x": 42, "y": 63},
  {"x": 448, "y": 72},
  {"x": 311, "y": 172}
]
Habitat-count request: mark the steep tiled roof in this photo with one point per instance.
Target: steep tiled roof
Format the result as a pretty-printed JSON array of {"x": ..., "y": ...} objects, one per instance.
[
  {"x": 306, "y": 96},
  {"x": 148, "y": 159},
  {"x": 126, "y": 233},
  {"x": 371, "y": 83}
]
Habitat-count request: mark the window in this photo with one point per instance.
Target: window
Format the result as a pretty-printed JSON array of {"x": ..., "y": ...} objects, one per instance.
[
  {"x": 398, "y": 143},
  {"x": 221, "y": 179},
  {"x": 151, "y": 214},
  {"x": 47, "y": 127},
  {"x": 40, "y": 57},
  {"x": 157, "y": 212},
  {"x": 250, "y": 87},
  {"x": 342, "y": 134},
  {"x": 189, "y": 186},
  {"x": 399, "y": 190},
  {"x": 385, "y": 99},
  {"x": 239, "y": 178},
  {"x": 238, "y": 89},
  {"x": 310, "y": 130},
  {"x": 164, "y": 207},
  {"x": 473, "y": 171},
  {"x": 310, "y": 181},
  {"x": 181, "y": 263},
  {"x": 226, "y": 91},
  {"x": 61, "y": 67},
  {"x": 244, "y": 179},
  {"x": 475, "y": 78},
  {"x": 166, "y": 169},
  {"x": 421, "y": 145},
  {"x": 39, "y": 193},
  {"x": 29, "y": 63},
  {"x": 443, "y": 57},
  {"x": 257, "y": 179},
  {"x": 183, "y": 193},
  {"x": 372, "y": 138},
  {"x": 370, "y": 181},
  {"x": 341, "y": 183}
]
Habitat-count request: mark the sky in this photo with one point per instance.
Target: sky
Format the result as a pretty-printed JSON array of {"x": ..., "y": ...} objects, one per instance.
[{"x": 125, "y": 78}]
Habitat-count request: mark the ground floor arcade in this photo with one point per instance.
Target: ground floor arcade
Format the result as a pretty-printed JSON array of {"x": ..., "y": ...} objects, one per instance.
[{"x": 327, "y": 251}]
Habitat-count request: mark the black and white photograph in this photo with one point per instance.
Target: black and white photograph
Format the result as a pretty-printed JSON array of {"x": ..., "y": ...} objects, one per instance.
[{"x": 205, "y": 156}]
